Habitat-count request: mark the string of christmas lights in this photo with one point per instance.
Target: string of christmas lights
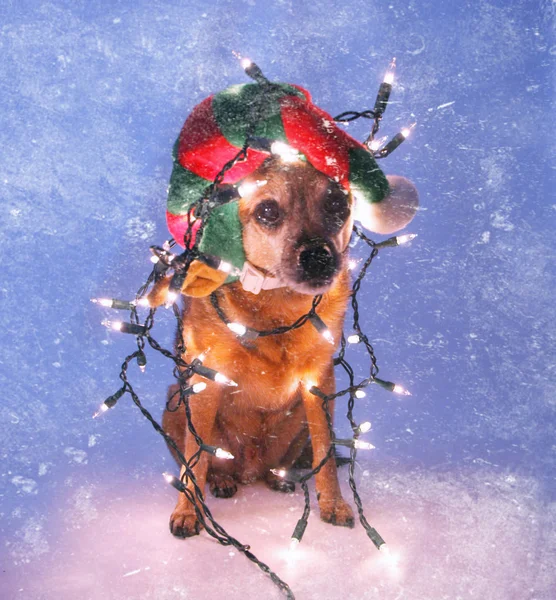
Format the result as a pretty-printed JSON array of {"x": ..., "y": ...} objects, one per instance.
[{"x": 165, "y": 261}]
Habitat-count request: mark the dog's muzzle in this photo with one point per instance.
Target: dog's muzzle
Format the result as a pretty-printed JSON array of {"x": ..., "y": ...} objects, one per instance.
[{"x": 317, "y": 262}]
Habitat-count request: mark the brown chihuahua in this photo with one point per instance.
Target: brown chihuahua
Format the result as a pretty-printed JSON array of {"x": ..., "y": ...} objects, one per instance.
[{"x": 296, "y": 229}]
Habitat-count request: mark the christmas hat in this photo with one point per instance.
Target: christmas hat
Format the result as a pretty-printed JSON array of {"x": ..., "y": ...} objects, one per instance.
[{"x": 217, "y": 128}]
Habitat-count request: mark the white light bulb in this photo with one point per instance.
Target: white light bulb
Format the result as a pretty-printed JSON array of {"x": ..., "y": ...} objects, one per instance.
[
  {"x": 391, "y": 557},
  {"x": 376, "y": 144},
  {"x": 309, "y": 383},
  {"x": 353, "y": 339},
  {"x": 171, "y": 298},
  {"x": 203, "y": 355},
  {"x": 327, "y": 335},
  {"x": 246, "y": 63},
  {"x": 352, "y": 264},
  {"x": 294, "y": 543},
  {"x": 103, "y": 408},
  {"x": 154, "y": 259},
  {"x": 237, "y": 328},
  {"x": 360, "y": 445},
  {"x": 360, "y": 394},
  {"x": 199, "y": 387},
  {"x": 219, "y": 378},
  {"x": 407, "y": 130},
  {"x": 248, "y": 188},
  {"x": 389, "y": 77},
  {"x": 284, "y": 151},
  {"x": 225, "y": 267},
  {"x": 102, "y": 301},
  {"x": 278, "y": 472},
  {"x": 399, "y": 389},
  {"x": 219, "y": 453},
  {"x": 169, "y": 478},
  {"x": 364, "y": 427},
  {"x": 115, "y": 325},
  {"x": 404, "y": 239},
  {"x": 143, "y": 302}
]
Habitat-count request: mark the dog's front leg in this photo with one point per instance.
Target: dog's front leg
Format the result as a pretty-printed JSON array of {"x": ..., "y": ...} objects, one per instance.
[
  {"x": 184, "y": 521},
  {"x": 333, "y": 508}
]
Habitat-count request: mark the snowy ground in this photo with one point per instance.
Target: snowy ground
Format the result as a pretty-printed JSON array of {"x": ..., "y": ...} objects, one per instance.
[{"x": 478, "y": 533}]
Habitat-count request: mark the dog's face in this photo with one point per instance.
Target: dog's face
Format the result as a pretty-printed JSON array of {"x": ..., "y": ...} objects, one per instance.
[{"x": 297, "y": 225}]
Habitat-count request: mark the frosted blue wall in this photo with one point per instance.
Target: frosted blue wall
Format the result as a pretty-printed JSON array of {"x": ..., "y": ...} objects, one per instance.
[{"x": 92, "y": 98}]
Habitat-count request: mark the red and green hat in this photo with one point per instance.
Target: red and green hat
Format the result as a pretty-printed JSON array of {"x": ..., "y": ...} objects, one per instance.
[{"x": 216, "y": 130}]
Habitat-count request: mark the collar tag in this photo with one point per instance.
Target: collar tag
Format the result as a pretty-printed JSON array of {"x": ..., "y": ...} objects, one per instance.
[{"x": 252, "y": 280}]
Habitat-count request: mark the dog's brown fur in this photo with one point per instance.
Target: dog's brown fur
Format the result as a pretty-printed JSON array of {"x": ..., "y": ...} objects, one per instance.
[{"x": 266, "y": 421}]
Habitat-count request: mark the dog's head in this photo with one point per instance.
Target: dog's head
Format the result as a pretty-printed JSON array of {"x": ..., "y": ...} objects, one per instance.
[{"x": 296, "y": 224}]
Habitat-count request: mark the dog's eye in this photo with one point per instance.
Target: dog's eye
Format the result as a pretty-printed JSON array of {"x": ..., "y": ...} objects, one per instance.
[
  {"x": 336, "y": 209},
  {"x": 268, "y": 213},
  {"x": 336, "y": 204}
]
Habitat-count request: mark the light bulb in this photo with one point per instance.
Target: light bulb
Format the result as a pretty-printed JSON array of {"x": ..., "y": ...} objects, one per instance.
[
  {"x": 115, "y": 325},
  {"x": 399, "y": 389},
  {"x": 407, "y": 130},
  {"x": 360, "y": 394},
  {"x": 237, "y": 328},
  {"x": 220, "y": 453},
  {"x": 103, "y": 408},
  {"x": 297, "y": 534},
  {"x": 284, "y": 151},
  {"x": 225, "y": 267},
  {"x": 353, "y": 339},
  {"x": 220, "y": 378},
  {"x": 107, "y": 302},
  {"x": 171, "y": 298},
  {"x": 377, "y": 143},
  {"x": 279, "y": 472},
  {"x": 174, "y": 482},
  {"x": 389, "y": 77},
  {"x": 203, "y": 355},
  {"x": 309, "y": 383},
  {"x": 391, "y": 557},
  {"x": 364, "y": 427},
  {"x": 360, "y": 445},
  {"x": 199, "y": 387},
  {"x": 327, "y": 335},
  {"x": 248, "y": 188},
  {"x": 404, "y": 239}
]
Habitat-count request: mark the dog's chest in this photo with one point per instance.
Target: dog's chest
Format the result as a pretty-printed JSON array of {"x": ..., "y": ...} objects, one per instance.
[{"x": 269, "y": 374}]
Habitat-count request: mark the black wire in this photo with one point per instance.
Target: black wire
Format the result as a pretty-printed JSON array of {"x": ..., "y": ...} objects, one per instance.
[
  {"x": 183, "y": 370},
  {"x": 277, "y": 330}
]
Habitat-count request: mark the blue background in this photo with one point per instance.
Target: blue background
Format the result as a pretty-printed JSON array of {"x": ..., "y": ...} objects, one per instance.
[{"x": 93, "y": 95}]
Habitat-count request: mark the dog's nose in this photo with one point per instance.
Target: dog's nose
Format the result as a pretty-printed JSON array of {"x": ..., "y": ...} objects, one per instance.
[{"x": 317, "y": 261}]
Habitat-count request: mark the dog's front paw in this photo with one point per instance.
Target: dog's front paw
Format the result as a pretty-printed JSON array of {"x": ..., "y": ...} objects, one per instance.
[
  {"x": 279, "y": 484},
  {"x": 337, "y": 512},
  {"x": 222, "y": 486},
  {"x": 184, "y": 523}
]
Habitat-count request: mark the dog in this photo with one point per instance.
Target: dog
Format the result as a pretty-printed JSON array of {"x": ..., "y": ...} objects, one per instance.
[{"x": 296, "y": 228}]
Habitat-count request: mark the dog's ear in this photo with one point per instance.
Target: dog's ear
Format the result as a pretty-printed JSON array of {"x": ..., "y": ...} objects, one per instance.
[
  {"x": 394, "y": 212},
  {"x": 200, "y": 281}
]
